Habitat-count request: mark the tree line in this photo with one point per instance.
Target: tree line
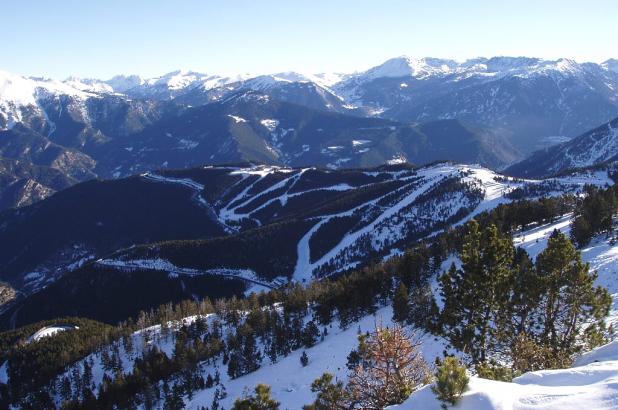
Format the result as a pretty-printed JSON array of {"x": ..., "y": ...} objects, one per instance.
[{"x": 497, "y": 302}]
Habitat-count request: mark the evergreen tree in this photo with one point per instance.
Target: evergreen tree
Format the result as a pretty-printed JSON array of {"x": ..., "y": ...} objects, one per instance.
[
  {"x": 260, "y": 400},
  {"x": 174, "y": 401},
  {"x": 311, "y": 333},
  {"x": 219, "y": 395},
  {"x": 401, "y": 304},
  {"x": 251, "y": 356},
  {"x": 570, "y": 298},
  {"x": 65, "y": 389},
  {"x": 475, "y": 294},
  {"x": 424, "y": 310},
  {"x": 518, "y": 317},
  {"x": 329, "y": 395},
  {"x": 451, "y": 381},
  {"x": 359, "y": 356},
  {"x": 87, "y": 378},
  {"x": 233, "y": 366},
  {"x": 304, "y": 359}
]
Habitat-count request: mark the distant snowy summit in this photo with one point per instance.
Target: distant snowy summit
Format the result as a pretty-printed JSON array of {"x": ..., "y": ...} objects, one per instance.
[
  {"x": 403, "y": 66},
  {"x": 512, "y": 105}
]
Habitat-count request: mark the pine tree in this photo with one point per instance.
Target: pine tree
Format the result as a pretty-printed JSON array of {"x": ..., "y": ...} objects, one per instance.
[
  {"x": 219, "y": 395},
  {"x": 451, "y": 381},
  {"x": 251, "y": 356},
  {"x": 518, "y": 317},
  {"x": 304, "y": 359},
  {"x": 424, "y": 310},
  {"x": 475, "y": 294},
  {"x": 65, "y": 389},
  {"x": 106, "y": 360},
  {"x": 260, "y": 400},
  {"x": 173, "y": 400},
  {"x": 329, "y": 395},
  {"x": 233, "y": 366},
  {"x": 87, "y": 378},
  {"x": 570, "y": 297},
  {"x": 401, "y": 304},
  {"x": 359, "y": 356},
  {"x": 311, "y": 333}
]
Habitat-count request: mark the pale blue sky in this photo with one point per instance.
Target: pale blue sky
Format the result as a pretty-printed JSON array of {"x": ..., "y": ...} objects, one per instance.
[{"x": 100, "y": 38}]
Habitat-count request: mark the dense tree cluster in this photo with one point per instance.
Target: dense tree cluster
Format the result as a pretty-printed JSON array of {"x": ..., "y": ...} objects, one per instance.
[
  {"x": 500, "y": 303},
  {"x": 594, "y": 214}
]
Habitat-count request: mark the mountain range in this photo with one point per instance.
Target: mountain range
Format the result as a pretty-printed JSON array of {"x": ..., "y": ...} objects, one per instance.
[
  {"x": 173, "y": 241},
  {"x": 491, "y": 111}
]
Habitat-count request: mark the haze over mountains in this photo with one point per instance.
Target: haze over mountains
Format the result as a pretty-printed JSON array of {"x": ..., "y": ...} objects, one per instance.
[{"x": 492, "y": 111}]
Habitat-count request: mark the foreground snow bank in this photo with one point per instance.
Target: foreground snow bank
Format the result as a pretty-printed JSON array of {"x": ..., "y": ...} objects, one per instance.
[{"x": 592, "y": 384}]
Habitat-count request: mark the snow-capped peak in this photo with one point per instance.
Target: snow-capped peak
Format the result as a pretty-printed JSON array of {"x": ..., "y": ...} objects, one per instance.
[
  {"x": 428, "y": 67},
  {"x": 405, "y": 66},
  {"x": 122, "y": 83},
  {"x": 20, "y": 90},
  {"x": 178, "y": 79},
  {"x": 611, "y": 65},
  {"x": 19, "y": 93},
  {"x": 89, "y": 85}
]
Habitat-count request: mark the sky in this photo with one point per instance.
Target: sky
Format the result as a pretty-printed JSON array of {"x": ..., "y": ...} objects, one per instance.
[{"x": 102, "y": 38}]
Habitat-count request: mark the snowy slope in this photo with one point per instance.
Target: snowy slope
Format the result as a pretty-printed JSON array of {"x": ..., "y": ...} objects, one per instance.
[
  {"x": 591, "y": 386},
  {"x": 291, "y": 383},
  {"x": 418, "y": 204},
  {"x": 590, "y": 383},
  {"x": 597, "y": 146},
  {"x": 20, "y": 96}
]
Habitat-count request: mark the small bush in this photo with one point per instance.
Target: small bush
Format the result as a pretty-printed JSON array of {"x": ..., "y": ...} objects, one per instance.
[
  {"x": 451, "y": 381},
  {"x": 494, "y": 371}
]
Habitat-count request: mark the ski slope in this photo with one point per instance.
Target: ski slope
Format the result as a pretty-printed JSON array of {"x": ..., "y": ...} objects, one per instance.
[{"x": 418, "y": 203}]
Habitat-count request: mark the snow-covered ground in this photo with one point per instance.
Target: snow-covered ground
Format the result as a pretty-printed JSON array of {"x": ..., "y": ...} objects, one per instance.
[
  {"x": 49, "y": 331},
  {"x": 254, "y": 282},
  {"x": 590, "y": 386},
  {"x": 291, "y": 382},
  {"x": 591, "y": 383}
]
